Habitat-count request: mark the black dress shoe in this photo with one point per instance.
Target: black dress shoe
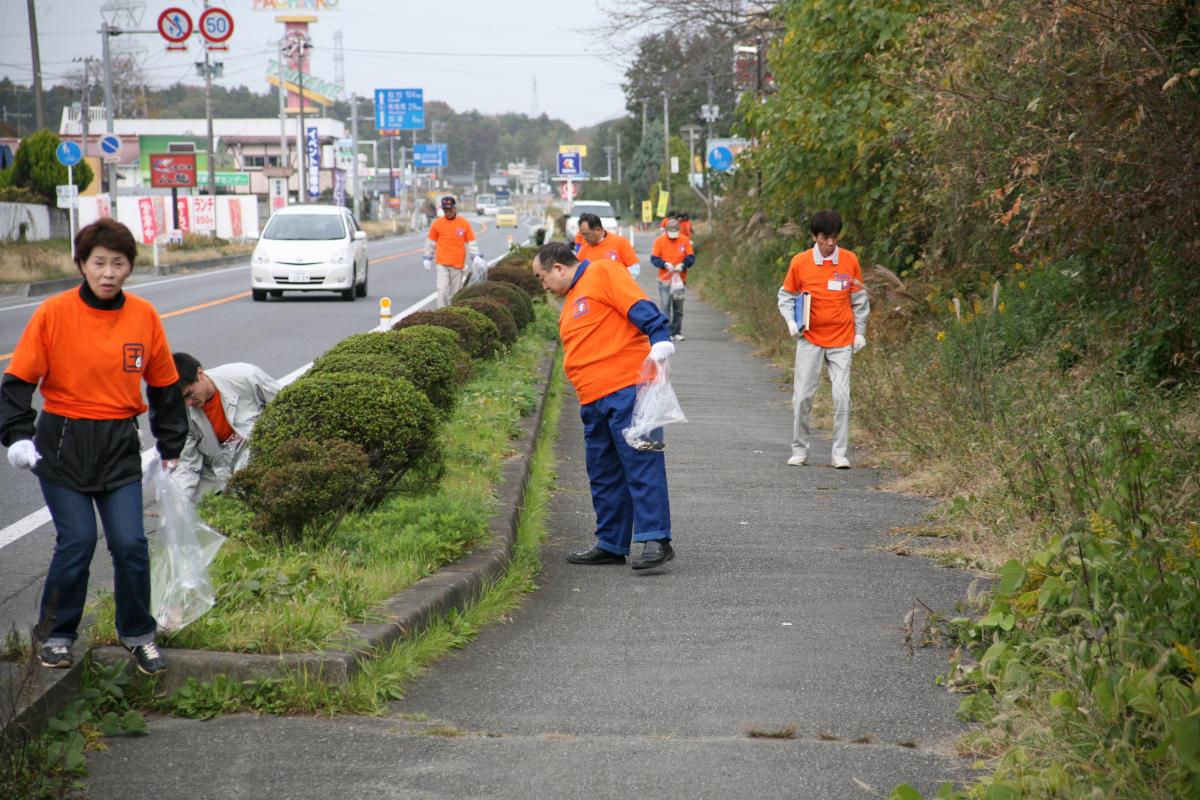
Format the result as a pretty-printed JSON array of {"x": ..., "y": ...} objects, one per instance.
[
  {"x": 654, "y": 554},
  {"x": 594, "y": 555}
]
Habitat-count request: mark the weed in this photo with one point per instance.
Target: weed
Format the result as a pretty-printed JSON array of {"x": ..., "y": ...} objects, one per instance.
[{"x": 783, "y": 732}]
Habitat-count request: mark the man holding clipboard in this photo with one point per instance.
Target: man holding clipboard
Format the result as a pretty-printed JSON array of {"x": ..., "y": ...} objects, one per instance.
[{"x": 825, "y": 305}]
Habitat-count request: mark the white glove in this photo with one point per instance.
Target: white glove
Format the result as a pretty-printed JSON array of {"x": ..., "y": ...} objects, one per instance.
[
  {"x": 479, "y": 263},
  {"x": 860, "y": 342},
  {"x": 22, "y": 454},
  {"x": 635, "y": 270},
  {"x": 793, "y": 329},
  {"x": 427, "y": 263},
  {"x": 661, "y": 351}
]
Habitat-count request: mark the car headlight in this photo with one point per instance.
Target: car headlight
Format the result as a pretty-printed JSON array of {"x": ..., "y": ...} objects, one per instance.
[
  {"x": 338, "y": 259},
  {"x": 260, "y": 259}
]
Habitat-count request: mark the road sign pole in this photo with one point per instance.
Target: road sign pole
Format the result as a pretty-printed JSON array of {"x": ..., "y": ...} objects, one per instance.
[
  {"x": 109, "y": 169},
  {"x": 175, "y": 208},
  {"x": 354, "y": 155},
  {"x": 71, "y": 211}
]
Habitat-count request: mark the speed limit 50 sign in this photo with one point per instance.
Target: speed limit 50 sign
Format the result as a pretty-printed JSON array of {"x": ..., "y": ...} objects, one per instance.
[{"x": 216, "y": 26}]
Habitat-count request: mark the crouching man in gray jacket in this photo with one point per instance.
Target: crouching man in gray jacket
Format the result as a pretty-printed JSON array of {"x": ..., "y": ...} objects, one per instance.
[{"x": 223, "y": 403}]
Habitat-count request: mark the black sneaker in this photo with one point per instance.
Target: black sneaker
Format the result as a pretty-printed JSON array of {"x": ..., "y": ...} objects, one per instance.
[
  {"x": 149, "y": 659},
  {"x": 56, "y": 656}
]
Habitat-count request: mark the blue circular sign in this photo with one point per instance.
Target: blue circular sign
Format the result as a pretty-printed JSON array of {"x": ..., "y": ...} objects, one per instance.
[
  {"x": 110, "y": 144},
  {"x": 68, "y": 154},
  {"x": 720, "y": 158}
]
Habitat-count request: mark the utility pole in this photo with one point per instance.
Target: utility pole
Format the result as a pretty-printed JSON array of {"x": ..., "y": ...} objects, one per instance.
[
  {"x": 283, "y": 139},
  {"x": 212, "y": 156},
  {"x": 354, "y": 153},
  {"x": 608, "y": 154},
  {"x": 619, "y": 157},
  {"x": 667, "y": 138},
  {"x": 296, "y": 47},
  {"x": 109, "y": 169},
  {"x": 644, "y": 119},
  {"x": 39, "y": 106}
]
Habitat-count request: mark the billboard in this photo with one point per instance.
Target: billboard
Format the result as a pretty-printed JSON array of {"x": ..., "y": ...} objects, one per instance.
[{"x": 172, "y": 170}]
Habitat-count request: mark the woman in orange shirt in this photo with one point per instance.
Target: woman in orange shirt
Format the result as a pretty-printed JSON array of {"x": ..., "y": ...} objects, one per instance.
[{"x": 88, "y": 350}]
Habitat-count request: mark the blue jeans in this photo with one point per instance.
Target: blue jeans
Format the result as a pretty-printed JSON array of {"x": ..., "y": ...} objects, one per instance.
[
  {"x": 63, "y": 598},
  {"x": 629, "y": 487}
]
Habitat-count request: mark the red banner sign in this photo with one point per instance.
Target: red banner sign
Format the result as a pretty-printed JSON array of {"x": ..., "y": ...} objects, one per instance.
[{"x": 169, "y": 170}]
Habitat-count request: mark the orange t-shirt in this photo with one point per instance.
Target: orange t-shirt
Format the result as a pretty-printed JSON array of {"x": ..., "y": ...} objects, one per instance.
[
  {"x": 673, "y": 251},
  {"x": 91, "y": 362},
  {"x": 613, "y": 247},
  {"x": 216, "y": 415},
  {"x": 602, "y": 350},
  {"x": 830, "y": 284},
  {"x": 451, "y": 236},
  {"x": 685, "y": 227}
]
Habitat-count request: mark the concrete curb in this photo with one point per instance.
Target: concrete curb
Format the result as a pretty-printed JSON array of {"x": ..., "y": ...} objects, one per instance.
[{"x": 408, "y": 612}]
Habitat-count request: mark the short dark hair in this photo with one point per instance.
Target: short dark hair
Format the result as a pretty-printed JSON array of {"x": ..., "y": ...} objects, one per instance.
[
  {"x": 555, "y": 253},
  {"x": 684, "y": 216},
  {"x": 188, "y": 368},
  {"x": 107, "y": 233},
  {"x": 593, "y": 220},
  {"x": 827, "y": 222}
]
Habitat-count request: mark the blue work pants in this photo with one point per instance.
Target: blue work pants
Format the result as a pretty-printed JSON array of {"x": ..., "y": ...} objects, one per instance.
[{"x": 629, "y": 487}]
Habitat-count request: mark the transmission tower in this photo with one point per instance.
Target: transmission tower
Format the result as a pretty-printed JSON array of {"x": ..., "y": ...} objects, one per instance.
[
  {"x": 339, "y": 60},
  {"x": 129, "y": 55}
]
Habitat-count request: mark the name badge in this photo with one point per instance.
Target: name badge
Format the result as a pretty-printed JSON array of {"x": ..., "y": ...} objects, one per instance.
[{"x": 836, "y": 285}]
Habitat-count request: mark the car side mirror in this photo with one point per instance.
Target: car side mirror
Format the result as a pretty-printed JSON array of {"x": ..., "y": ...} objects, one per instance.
[{"x": 360, "y": 235}]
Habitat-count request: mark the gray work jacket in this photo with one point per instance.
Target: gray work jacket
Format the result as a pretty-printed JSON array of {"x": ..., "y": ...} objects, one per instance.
[{"x": 205, "y": 464}]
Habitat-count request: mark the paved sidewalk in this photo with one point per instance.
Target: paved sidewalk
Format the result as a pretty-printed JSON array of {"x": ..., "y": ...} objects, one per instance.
[{"x": 779, "y": 609}]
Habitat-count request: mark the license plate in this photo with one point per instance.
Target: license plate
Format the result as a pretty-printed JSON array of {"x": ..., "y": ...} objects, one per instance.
[{"x": 297, "y": 277}]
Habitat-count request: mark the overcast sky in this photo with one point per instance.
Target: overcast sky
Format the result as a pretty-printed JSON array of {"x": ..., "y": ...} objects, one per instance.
[{"x": 482, "y": 54}]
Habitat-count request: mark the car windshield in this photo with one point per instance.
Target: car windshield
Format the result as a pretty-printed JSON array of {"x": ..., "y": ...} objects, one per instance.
[
  {"x": 508, "y": 210},
  {"x": 599, "y": 209},
  {"x": 305, "y": 227}
]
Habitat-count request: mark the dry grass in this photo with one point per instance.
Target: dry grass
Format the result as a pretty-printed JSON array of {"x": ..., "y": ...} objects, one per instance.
[
  {"x": 377, "y": 228},
  {"x": 24, "y": 262}
]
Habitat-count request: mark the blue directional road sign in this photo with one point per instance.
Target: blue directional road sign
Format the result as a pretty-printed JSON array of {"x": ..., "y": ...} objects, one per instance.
[
  {"x": 720, "y": 158},
  {"x": 569, "y": 164},
  {"x": 400, "y": 109},
  {"x": 68, "y": 154},
  {"x": 430, "y": 155},
  {"x": 110, "y": 144}
]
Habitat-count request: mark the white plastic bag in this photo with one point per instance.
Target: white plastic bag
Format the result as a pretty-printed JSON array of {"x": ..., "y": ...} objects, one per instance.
[
  {"x": 180, "y": 552},
  {"x": 655, "y": 406},
  {"x": 678, "y": 287}
]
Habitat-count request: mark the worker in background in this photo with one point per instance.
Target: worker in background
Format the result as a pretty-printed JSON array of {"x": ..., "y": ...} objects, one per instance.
[
  {"x": 451, "y": 239},
  {"x": 674, "y": 256},
  {"x": 601, "y": 244}
]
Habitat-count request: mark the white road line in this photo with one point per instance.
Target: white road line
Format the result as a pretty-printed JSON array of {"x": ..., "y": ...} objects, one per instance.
[{"x": 40, "y": 517}]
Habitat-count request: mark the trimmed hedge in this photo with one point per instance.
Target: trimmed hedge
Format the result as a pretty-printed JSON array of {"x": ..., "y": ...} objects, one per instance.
[
  {"x": 496, "y": 311},
  {"x": 432, "y": 358},
  {"x": 304, "y": 485},
  {"x": 380, "y": 364},
  {"x": 486, "y": 334},
  {"x": 517, "y": 301},
  {"x": 465, "y": 331},
  {"x": 522, "y": 277},
  {"x": 391, "y": 420}
]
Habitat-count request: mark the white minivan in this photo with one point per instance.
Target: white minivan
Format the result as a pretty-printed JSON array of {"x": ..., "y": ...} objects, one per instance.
[{"x": 310, "y": 248}]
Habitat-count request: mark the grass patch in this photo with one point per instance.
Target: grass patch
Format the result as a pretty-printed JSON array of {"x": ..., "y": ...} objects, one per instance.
[
  {"x": 301, "y": 598},
  {"x": 385, "y": 678},
  {"x": 25, "y": 262}
]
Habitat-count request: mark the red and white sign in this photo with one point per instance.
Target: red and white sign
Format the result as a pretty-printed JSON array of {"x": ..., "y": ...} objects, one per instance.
[
  {"x": 185, "y": 218},
  {"x": 175, "y": 25},
  {"x": 149, "y": 225},
  {"x": 204, "y": 214},
  {"x": 216, "y": 26},
  {"x": 168, "y": 170},
  {"x": 568, "y": 190},
  {"x": 235, "y": 217}
]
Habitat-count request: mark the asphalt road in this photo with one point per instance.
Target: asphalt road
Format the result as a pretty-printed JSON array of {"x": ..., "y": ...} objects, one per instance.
[{"x": 210, "y": 315}]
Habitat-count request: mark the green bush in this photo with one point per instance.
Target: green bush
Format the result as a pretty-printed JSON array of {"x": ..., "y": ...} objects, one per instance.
[
  {"x": 35, "y": 167},
  {"x": 304, "y": 486},
  {"x": 497, "y": 312},
  {"x": 485, "y": 335},
  {"x": 517, "y": 301},
  {"x": 522, "y": 277},
  {"x": 466, "y": 332},
  {"x": 517, "y": 257},
  {"x": 432, "y": 359},
  {"x": 364, "y": 363},
  {"x": 391, "y": 420}
]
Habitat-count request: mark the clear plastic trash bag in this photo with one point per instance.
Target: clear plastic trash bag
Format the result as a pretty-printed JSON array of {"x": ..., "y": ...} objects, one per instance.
[
  {"x": 180, "y": 553},
  {"x": 655, "y": 406},
  {"x": 678, "y": 288}
]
